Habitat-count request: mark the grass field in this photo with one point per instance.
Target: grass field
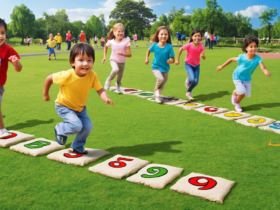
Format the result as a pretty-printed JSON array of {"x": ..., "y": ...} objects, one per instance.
[{"x": 136, "y": 127}]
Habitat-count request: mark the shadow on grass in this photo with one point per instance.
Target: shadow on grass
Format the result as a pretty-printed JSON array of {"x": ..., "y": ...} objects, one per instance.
[
  {"x": 260, "y": 106},
  {"x": 211, "y": 96},
  {"x": 29, "y": 123},
  {"x": 145, "y": 149}
]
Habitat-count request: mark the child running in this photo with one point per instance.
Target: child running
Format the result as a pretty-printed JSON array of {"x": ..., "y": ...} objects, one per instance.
[
  {"x": 163, "y": 56},
  {"x": 248, "y": 62},
  {"x": 7, "y": 53},
  {"x": 192, "y": 61},
  {"x": 51, "y": 45},
  {"x": 120, "y": 51},
  {"x": 74, "y": 88}
]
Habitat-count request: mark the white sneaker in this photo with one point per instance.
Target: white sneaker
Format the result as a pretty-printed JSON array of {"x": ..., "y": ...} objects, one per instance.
[
  {"x": 118, "y": 90},
  {"x": 189, "y": 95},
  {"x": 157, "y": 94},
  {"x": 54, "y": 58},
  {"x": 4, "y": 133},
  {"x": 107, "y": 85},
  {"x": 158, "y": 100}
]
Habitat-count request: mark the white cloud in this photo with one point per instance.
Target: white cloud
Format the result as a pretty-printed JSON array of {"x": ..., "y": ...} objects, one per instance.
[
  {"x": 150, "y": 3},
  {"x": 185, "y": 14},
  {"x": 187, "y": 7},
  {"x": 253, "y": 11}
]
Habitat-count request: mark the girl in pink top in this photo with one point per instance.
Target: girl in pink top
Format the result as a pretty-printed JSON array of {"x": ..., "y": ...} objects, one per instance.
[
  {"x": 120, "y": 50},
  {"x": 135, "y": 39},
  {"x": 192, "y": 62}
]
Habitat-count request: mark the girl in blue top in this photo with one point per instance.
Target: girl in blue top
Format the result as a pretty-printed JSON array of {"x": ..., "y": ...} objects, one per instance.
[
  {"x": 242, "y": 75},
  {"x": 164, "y": 55}
]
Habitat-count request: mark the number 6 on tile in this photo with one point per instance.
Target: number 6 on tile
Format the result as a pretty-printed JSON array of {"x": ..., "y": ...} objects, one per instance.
[
  {"x": 118, "y": 163},
  {"x": 159, "y": 171}
]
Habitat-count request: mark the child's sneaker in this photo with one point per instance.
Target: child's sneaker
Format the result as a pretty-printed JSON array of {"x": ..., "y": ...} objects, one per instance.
[
  {"x": 158, "y": 100},
  {"x": 233, "y": 99},
  {"x": 54, "y": 58},
  {"x": 60, "y": 139},
  {"x": 118, "y": 90},
  {"x": 189, "y": 95},
  {"x": 238, "y": 108},
  {"x": 4, "y": 133},
  {"x": 83, "y": 153},
  {"x": 157, "y": 94},
  {"x": 107, "y": 85},
  {"x": 187, "y": 83},
  {"x": 49, "y": 59}
]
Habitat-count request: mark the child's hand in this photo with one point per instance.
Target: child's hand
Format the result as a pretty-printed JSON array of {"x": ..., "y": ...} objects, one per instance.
[
  {"x": 176, "y": 63},
  {"x": 120, "y": 53},
  {"x": 147, "y": 61},
  {"x": 14, "y": 59},
  {"x": 219, "y": 68},
  {"x": 268, "y": 74},
  {"x": 47, "y": 97},
  {"x": 109, "y": 101},
  {"x": 203, "y": 56},
  {"x": 103, "y": 60}
]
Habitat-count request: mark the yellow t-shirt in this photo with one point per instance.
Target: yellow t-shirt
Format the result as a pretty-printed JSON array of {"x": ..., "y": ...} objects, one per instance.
[
  {"x": 58, "y": 39},
  {"x": 74, "y": 90},
  {"x": 51, "y": 44}
]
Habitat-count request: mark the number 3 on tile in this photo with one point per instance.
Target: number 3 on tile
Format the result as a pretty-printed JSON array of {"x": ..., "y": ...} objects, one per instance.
[
  {"x": 118, "y": 163},
  {"x": 159, "y": 171},
  {"x": 208, "y": 185}
]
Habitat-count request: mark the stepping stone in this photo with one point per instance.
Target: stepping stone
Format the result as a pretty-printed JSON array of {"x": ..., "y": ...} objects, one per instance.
[
  {"x": 67, "y": 156},
  {"x": 211, "y": 110},
  {"x": 232, "y": 115},
  {"x": 14, "y": 138},
  {"x": 130, "y": 91},
  {"x": 37, "y": 147},
  {"x": 256, "y": 121},
  {"x": 156, "y": 175},
  {"x": 122, "y": 89},
  {"x": 119, "y": 166},
  {"x": 190, "y": 105},
  {"x": 175, "y": 101},
  {"x": 274, "y": 127},
  {"x": 145, "y": 95},
  {"x": 203, "y": 186},
  {"x": 112, "y": 88}
]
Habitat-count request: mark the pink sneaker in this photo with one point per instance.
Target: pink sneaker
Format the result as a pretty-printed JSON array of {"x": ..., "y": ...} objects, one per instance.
[
  {"x": 233, "y": 99},
  {"x": 187, "y": 83},
  {"x": 238, "y": 108},
  {"x": 189, "y": 95}
]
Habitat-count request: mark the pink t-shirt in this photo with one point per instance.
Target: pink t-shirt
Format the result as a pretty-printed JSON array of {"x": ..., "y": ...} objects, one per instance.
[
  {"x": 120, "y": 47},
  {"x": 135, "y": 37},
  {"x": 193, "y": 54}
]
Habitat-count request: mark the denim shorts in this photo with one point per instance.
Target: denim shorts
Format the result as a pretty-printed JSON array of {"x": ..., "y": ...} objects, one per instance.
[
  {"x": 1, "y": 93},
  {"x": 243, "y": 87}
]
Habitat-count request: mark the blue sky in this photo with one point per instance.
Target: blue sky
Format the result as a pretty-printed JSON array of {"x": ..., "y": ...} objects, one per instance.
[{"x": 82, "y": 10}]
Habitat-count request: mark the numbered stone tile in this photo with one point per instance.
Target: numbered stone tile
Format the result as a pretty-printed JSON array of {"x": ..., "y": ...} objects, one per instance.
[
  {"x": 145, "y": 95},
  {"x": 152, "y": 99},
  {"x": 67, "y": 156},
  {"x": 37, "y": 147},
  {"x": 119, "y": 166},
  {"x": 14, "y": 138},
  {"x": 232, "y": 115},
  {"x": 156, "y": 175},
  {"x": 204, "y": 186},
  {"x": 121, "y": 88},
  {"x": 256, "y": 121},
  {"x": 211, "y": 110},
  {"x": 274, "y": 127},
  {"x": 190, "y": 105},
  {"x": 131, "y": 91},
  {"x": 174, "y": 101},
  {"x": 112, "y": 88}
]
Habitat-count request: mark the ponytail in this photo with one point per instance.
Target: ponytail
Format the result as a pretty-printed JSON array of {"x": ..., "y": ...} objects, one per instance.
[{"x": 111, "y": 35}]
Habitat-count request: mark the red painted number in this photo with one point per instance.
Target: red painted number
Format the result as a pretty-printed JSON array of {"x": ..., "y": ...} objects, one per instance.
[
  {"x": 209, "y": 184},
  {"x": 10, "y": 136},
  {"x": 118, "y": 163},
  {"x": 73, "y": 156},
  {"x": 211, "y": 109},
  {"x": 128, "y": 90}
]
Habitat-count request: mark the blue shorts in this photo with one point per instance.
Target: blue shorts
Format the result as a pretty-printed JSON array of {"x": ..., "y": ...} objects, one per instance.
[
  {"x": 51, "y": 50},
  {"x": 243, "y": 87}
]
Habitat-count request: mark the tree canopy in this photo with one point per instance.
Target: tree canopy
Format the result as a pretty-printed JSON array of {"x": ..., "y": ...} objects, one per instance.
[{"x": 267, "y": 17}]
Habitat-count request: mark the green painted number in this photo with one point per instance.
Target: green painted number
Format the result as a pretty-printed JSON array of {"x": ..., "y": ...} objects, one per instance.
[
  {"x": 158, "y": 172},
  {"x": 37, "y": 144}
]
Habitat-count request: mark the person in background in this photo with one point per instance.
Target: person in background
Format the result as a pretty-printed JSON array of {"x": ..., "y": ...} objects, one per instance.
[
  {"x": 206, "y": 37},
  {"x": 58, "y": 40},
  {"x": 179, "y": 37},
  {"x": 82, "y": 36},
  {"x": 135, "y": 39},
  {"x": 68, "y": 40}
]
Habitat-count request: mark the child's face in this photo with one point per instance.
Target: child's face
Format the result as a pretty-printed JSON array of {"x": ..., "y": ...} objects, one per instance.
[
  {"x": 119, "y": 33},
  {"x": 252, "y": 48},
  {"x": 83, "y": 64},
  {"x": 2, "y": 35},
  {"x": 196, "y": 38},
  {"x": 163, "y": 35},
  {"x": 51, "y": 36}
]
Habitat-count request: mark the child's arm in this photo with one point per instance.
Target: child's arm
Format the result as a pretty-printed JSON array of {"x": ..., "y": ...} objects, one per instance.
[
  {"x": 104, "y": 96},
  {"x": 127, "y": 54},
  {"x": 48, "y": 83},
  {"x": 147, "y": 56},
  {"x": 178, "y": 58},
  {"x": 219, "y": 68},
  {"x": 15, "y": 61},
  {"x": 105, "y": 52},
  {"x": 265, "y": 71},
  {"x": 171, "y": 60}
]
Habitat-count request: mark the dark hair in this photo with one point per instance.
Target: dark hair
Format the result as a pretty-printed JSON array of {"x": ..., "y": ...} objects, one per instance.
[
  {"x": 81, "y": 49},
  {"x": 155, "y": 36},
  {"x": 194, "y": 32},
  {"x": 3, "y": 23},
  {"x": 248, "y": 40}
]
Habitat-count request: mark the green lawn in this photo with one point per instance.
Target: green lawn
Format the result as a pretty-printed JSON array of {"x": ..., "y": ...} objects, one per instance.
[{"x": 136, "y": 127}]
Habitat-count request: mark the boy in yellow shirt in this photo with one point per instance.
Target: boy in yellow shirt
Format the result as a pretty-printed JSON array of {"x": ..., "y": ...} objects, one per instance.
[
  {"x": 73, "y": 92},
  {"x": 58, "y": 40},
  {"x": 51, "y": 45}
]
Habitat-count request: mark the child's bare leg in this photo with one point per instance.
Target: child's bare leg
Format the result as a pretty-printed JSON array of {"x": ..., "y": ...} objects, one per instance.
[{"x": 239, "y": 97}]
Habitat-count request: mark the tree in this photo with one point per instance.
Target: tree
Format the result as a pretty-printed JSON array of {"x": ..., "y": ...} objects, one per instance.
[
  {"x": 134, "y": 15},
  {"x": 266, "y": 17},
  {"x": 181, "y": 23},
  {"x": 93, "y": 27},
  {"x": 40, "y": 24},
  {"x": 101, "y": 17},
  {"x": 9, "y": 32},
  {"x": 277, "y": 28},
  {"x": 23, "y": 21}
]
